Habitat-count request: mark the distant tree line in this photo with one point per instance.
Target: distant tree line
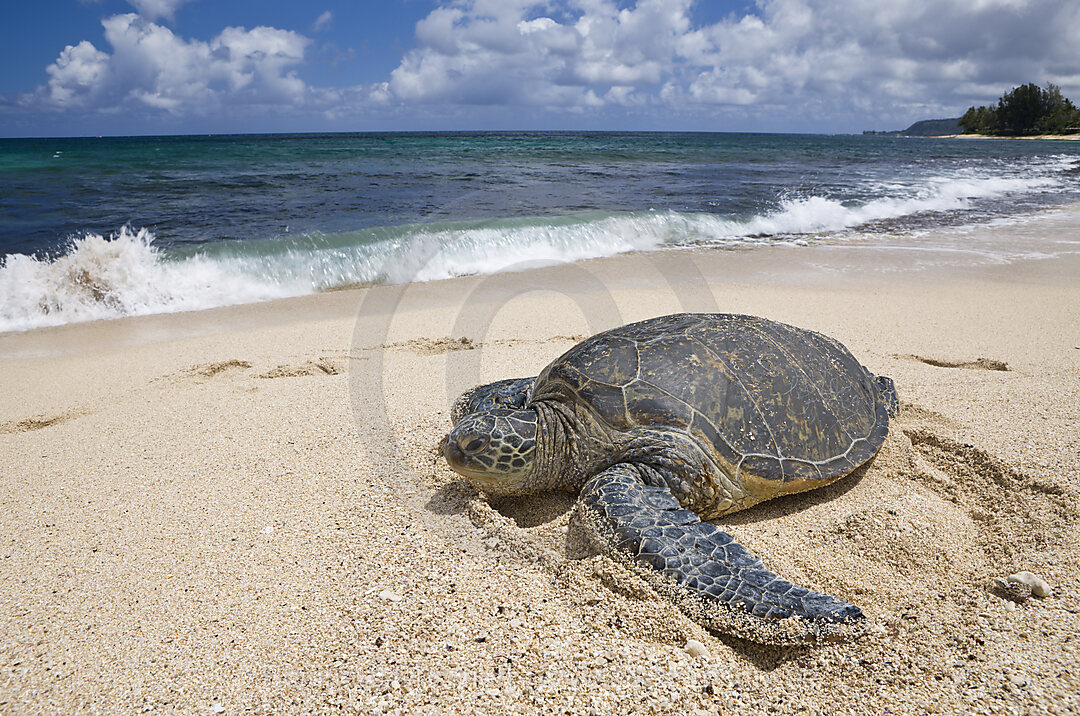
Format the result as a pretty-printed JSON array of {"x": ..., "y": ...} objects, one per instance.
[{"x": 1028, "y": 109}]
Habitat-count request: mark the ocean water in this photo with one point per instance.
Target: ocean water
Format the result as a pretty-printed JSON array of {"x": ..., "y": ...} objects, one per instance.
[{"x": 100, "y": 228}]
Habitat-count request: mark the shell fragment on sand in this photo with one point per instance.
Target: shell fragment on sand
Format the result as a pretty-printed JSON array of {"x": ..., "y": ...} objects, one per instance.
[
  {"x": 1019, "y": 586},
  {"x": 1038, "y": 586},
  {"x": 697, "y": 650}
]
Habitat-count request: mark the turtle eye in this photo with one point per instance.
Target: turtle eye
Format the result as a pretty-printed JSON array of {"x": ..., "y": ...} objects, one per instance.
[{"x": 475, "y": 445}]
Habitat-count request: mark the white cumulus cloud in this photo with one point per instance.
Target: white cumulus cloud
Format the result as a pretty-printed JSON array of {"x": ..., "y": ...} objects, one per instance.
[
  {"x": 777, "y": 64},
  {"x": 77, "y": 74},
  {"x": 151, "y": 66},
  {"x": 807, "y": 58},
  {"x": 489, "y": 52},
  {"x": 153, "y": 9}
]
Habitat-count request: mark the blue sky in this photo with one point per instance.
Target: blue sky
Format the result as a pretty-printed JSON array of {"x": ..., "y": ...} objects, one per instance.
[{"x": 88, "y": 67}]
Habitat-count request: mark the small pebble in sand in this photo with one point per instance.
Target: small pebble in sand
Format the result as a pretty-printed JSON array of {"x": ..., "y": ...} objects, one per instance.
[
  {"x": 268, "y": 530},
  {"x": 697, "y": 650},
  {"x": 1038, "y": 586}
]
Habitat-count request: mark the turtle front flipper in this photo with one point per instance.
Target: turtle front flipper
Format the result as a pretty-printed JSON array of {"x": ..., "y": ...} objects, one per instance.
[
  {"x": 511, "y": 393},
  {"x": 712, "y": 578}
]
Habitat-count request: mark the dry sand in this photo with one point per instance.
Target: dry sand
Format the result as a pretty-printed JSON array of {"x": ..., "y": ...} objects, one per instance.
[{"x": 242, "y": 510}]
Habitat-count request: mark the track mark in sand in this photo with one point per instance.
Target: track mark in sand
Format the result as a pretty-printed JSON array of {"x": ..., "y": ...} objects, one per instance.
[
  {"x": 209, "y": 370},
  {"x": 1015, "y": 513},
  {"x": 322, "y": 366},
  {"x": 977, "y": 364},
  {"x": 434, "y": 346},
  {"x": 36, "y": 422}
]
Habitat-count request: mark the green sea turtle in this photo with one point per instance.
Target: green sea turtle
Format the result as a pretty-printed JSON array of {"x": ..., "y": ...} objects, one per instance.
[{"x": 671, "y": 421}]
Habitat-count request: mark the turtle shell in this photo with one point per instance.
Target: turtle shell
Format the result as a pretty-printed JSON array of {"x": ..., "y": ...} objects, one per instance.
[{"x": 784, "y": 409}]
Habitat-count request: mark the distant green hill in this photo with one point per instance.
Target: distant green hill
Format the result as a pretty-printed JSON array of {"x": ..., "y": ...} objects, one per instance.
[
  {"x": 927, "y": 128},
  {"x": 933, "y": 128}
]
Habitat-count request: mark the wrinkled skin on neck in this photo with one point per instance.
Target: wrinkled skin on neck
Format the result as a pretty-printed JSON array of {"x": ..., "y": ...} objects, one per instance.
[{"x": 513, "y": 452}]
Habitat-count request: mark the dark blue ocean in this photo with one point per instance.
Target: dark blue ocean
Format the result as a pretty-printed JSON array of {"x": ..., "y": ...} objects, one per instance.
[{"x": 97, "y": 228}]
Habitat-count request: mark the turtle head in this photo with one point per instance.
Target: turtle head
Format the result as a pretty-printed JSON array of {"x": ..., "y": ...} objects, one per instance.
[{"x": 494, "y": 449}]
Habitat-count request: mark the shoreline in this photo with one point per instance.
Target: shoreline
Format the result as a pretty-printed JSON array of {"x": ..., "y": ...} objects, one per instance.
[
  {"x": 242, "y": 508},
  {"x": 1042, "y": 234},
  {"x": 1060, "y": 137}
]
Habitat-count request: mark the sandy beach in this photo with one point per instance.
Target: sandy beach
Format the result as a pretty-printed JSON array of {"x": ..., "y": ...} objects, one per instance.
[
  {"x": 242, "y": 510},
  {"x": 1050, "y": 137}
]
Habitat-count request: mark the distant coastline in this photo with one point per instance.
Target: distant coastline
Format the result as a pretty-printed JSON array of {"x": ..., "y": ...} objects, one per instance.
[
  {"x": 1059, "y": 137},
  {"x": 924, "y": 128},
  {"x": 950, "y": 129}
]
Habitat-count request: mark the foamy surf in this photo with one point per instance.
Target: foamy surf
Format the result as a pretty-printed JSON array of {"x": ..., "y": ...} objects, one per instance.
[
  {"x": 123, "y": 275},
  {"x": 127, "y": 274},
  {"x": 935, "y": 194}
]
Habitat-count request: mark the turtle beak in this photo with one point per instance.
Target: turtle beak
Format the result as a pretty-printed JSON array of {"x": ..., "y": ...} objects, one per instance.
[
  {"x": 458, "y": 460},
  {"x": 452, "y": 451}
]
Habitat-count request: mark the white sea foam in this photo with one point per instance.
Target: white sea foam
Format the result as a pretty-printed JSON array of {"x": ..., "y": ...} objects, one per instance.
[
  {"x": 816, "y": 214},
  {"x": 454, "y": 252},
  {"x": 120, "y": 276},
  {"x": 126, "y": 274}
]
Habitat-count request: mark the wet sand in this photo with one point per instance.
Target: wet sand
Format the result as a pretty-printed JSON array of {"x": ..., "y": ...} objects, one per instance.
[{"x": 243, "y": 509}]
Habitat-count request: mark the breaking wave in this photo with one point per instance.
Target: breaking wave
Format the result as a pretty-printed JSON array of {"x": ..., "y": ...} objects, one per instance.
[
  {"x": 124, "y": 275},
  {"x": 129, "y": 274}
]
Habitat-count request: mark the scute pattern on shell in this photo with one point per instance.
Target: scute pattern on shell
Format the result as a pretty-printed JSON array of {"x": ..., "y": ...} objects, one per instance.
[{"x": 781, "y": 403}]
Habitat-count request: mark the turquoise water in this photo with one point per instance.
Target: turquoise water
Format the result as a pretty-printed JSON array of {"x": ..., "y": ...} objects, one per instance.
[{"x": 96, "y": 228}]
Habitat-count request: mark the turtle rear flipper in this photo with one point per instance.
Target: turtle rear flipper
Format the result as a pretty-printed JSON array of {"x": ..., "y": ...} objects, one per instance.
[
  {"x": 887, "y": 390},
  {"x": 712, "y": 578}
]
